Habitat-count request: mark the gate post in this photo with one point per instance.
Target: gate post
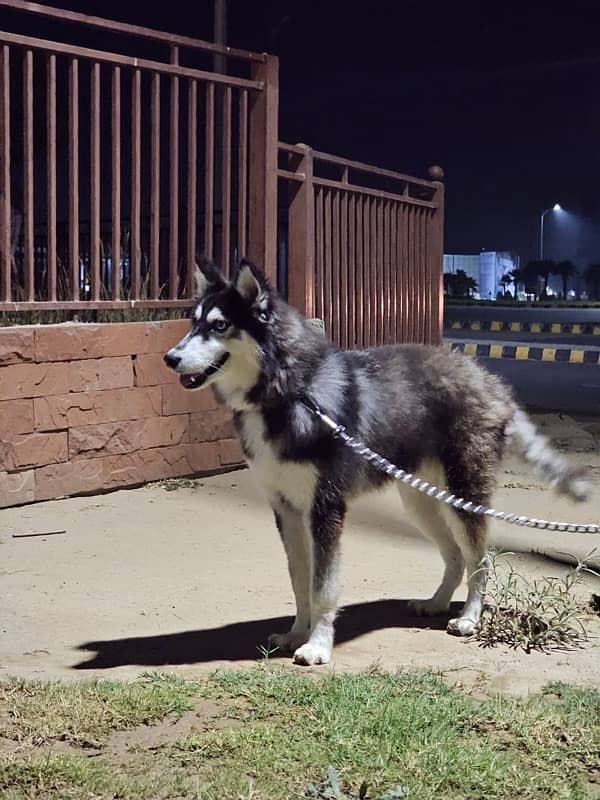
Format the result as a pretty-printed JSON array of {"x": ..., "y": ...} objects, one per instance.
[
  {"x": 301, "y": 235},
  {"x": 264, "y": 142},
  {"x": 436, "y": 259}
]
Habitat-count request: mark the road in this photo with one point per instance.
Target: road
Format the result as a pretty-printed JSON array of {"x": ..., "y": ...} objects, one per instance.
[
  {"x": 520, "y": 314},
  {"x": 558, "y": 339},
  {"x": 551, "y": 386}
]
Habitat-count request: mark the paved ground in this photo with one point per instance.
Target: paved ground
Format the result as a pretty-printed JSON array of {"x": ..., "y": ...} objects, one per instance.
[
  {"x": 195, "y": 578},
  {"x": 551, "y": 386}
]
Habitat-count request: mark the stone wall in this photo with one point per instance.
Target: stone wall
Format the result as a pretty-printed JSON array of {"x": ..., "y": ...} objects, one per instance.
[{"x": 85, "y": 408}]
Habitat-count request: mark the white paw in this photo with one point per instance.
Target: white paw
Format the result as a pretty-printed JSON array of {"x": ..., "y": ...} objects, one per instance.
[
  {"x": 311, "y": 654},
  {"x": 428, "y": 608},
  {"x": 287, "y": 642},
  {"x": 461, "y": 626}
]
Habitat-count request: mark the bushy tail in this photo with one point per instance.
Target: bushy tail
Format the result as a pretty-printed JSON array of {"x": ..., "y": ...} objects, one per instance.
[{"x": 551, "y": 465}]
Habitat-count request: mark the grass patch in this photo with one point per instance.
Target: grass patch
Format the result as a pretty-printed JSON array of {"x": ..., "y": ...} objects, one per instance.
[
  {"x": 62, "y": 776},
  {"x": 373, "y": 735},
  {"x": 85, "y": 713},
  {"x": 532, "y": 614}
]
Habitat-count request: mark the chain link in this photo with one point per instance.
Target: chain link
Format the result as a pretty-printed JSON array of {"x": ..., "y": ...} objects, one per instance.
[{"x": 443, "y": 495}]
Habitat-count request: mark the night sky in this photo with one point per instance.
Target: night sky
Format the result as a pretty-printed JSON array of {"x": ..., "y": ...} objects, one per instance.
[{"x": 504, "y": 96}]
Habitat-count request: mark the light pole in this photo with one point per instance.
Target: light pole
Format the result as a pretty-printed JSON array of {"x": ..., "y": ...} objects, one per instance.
[{"x": 555, "y": 207}]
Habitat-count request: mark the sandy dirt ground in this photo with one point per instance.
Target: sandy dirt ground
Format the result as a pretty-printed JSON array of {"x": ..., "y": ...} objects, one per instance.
[{"x": 194, "y": 578}]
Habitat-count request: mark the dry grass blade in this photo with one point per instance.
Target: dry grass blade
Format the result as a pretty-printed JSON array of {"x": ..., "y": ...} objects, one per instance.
[{"x": 532, "y": 614}]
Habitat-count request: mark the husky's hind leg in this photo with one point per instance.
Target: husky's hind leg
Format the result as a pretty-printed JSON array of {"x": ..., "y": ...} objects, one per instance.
[
  {"x": 297, "y": 543},
  {"x": 432, "y": 519},
  {"x": 472, "y": 459},
  {"x": 472, "y": 539}
]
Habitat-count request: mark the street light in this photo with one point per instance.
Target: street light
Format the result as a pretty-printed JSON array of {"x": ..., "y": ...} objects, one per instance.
[{"x": 555, "y": 207}]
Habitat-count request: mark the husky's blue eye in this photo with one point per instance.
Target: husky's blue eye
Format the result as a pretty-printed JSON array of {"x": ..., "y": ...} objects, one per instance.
[{"x": 220, "y": 325}]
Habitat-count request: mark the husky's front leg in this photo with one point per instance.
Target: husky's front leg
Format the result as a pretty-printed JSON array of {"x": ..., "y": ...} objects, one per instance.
[
  {"x": 296, "y": 541},
  {"x": 327, "y": 519}
]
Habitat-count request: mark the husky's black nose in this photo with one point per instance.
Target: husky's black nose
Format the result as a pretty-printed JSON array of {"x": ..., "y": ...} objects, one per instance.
[{"x": 171, "y": 360}]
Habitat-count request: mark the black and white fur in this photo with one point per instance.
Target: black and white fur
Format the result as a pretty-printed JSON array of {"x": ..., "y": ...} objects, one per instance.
[{"x": 432, "y": 412}]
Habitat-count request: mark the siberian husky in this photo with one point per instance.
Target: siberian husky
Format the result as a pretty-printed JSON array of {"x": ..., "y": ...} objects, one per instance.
[{"x": 431, "y": 411}]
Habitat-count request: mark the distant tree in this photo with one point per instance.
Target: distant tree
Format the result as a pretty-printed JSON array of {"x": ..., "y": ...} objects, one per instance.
[
  {"x": 459, "y": 284},
  {"x": 566, "y": 270},
  {"x": 535, "y": 270},
  {"x": 518, "y": 278},
  {"x": 592, "y": 278},
  {"x": 506, "y": 281}
]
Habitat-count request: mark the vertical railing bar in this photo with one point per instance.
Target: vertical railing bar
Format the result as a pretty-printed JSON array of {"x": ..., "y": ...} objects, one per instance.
[
  {"x": 115, "y": 260},
  {"x": 327, "y": 266},
  {"x": 387, "y": 281},
  {"x": 408, "y": 308},
  {"x": 344, "y": 304},
  {"x": 422, "y": 283},
  {"x": 226, "y": 184},
  {"x": 209, "y": 167},
  {"x": 359, "y": 312},
  {"x": 28, "y": 262},
  {"x": 399, "y": 275},
  {"x": 411, "y": 266},
  {"x": 430, "y": 330},
  {"x": 243, "y": 173},
  {"x": 379, "y": 276},
  {"x": 435, "y": 241},
  {"x": 352, "y": 201},
  {"x": 262, "y": 179},
  {"x": 319, "y": 252},
  {"x": 95, "y": 182},
  {"x": 192, "y": 157},
  {"x": 301, "y": 234},
  {"x": 403, "y": 273},
  {"x": 5, "y": 195},
  {"x": 136, "y": 173},
  {"x": 425, "y": 277},
  {"x": 383, "y": 304},
  {"x": 336, "y": 327},
  {"x": 174, "y": 182},
  {"x": 366, "y": 293},
  {"x": 394, "y": 274},
  {"x": 373, "y": 269},
  {"x": 51, "y": 174},
  {"x": 155, "y": 190},
  {"x": 419, "y": 277},
  {"x": 74, "y": 178}
]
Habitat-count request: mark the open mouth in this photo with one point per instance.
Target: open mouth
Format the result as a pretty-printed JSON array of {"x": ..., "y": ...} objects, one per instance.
[{"x": 195, "y": 380}]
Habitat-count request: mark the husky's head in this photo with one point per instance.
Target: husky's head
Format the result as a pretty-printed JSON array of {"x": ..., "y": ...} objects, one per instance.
[{"x": 230, "y": 324}]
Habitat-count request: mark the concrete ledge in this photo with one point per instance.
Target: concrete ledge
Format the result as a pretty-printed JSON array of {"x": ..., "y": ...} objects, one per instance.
[
  {"x": 520, "y": 351},
  {"x": 498, "y": 326}
]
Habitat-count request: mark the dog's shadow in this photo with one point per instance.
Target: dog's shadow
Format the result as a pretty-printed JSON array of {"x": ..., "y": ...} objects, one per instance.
[{"x": 243, "y": 640}]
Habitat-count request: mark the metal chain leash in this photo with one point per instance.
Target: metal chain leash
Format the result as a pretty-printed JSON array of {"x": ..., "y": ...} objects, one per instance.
[{"x": 443, "y": 495}]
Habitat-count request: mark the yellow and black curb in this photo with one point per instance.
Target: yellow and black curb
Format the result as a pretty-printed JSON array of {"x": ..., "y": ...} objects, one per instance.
[
  {"x": 500, "y": 326},
  {"x": 525, "y": 352}
]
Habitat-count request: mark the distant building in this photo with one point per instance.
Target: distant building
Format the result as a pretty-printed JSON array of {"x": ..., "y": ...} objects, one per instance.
[
  {"x": 468, "y": 264},
  {"x": 486, "y": 268}
]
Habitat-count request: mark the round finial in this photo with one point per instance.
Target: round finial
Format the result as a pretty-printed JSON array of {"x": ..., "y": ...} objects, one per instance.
[{"x": 436, "y": 173}]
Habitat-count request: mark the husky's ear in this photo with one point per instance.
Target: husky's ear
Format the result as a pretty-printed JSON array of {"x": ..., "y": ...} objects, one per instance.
[
  {"x": 207, "y": 274},
  {"x": 250, "y": 282}
]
